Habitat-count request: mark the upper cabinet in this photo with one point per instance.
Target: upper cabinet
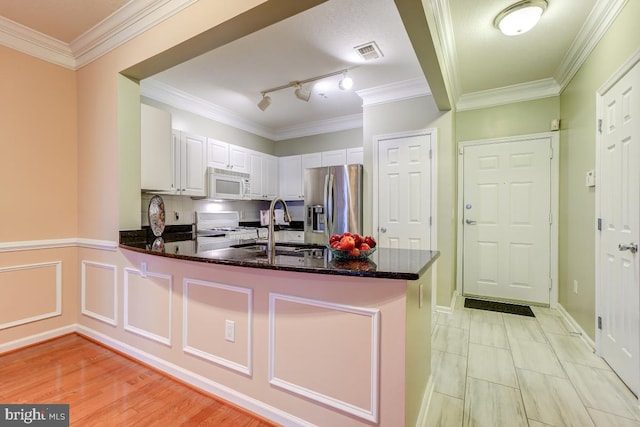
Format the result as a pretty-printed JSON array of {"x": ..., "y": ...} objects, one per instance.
[
  {"x": 355, "y": 156},
  {"x": 292, "y": 174},
  {"x": 334, "y": 157},
  {"x": 156, "y": 150},
  {"x": 223, "y": 155},
  {"x": 264, "y": 175},
  {"x": 191, "y": 165}
]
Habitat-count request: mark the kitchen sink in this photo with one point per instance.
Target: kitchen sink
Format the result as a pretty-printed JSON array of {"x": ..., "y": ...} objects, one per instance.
[{"x": 289, "y": 249}]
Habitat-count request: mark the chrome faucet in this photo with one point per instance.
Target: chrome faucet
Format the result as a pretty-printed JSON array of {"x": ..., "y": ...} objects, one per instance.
[{"x": 271, "y": 246}]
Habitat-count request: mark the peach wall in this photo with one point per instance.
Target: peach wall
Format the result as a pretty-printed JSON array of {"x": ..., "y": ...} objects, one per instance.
[{"x": 38, "y": 145}]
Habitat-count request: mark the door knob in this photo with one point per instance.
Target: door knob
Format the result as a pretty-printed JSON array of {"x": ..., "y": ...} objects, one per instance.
[
  {"x": 383, "y": 230},
  {"x": 470, "y": 222},
  {"x": 631, "y": 247}
]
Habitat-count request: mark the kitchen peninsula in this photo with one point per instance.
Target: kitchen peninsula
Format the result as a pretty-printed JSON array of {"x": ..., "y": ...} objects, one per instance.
[{"x": 329, "y": 342}]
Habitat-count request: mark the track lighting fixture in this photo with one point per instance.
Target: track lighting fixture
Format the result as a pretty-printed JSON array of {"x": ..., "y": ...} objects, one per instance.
[
  {"x": 346, "y": 83},
  {"x": 264, "y": 102},
  {"x": 302, "y": 93}
]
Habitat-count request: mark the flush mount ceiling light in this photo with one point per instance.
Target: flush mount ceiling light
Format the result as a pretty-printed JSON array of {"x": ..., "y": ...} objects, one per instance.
[
  {"x": 303, "y": 93},
  {"x": 264, "y": 102},
  {"x": 520, "y": 17}
]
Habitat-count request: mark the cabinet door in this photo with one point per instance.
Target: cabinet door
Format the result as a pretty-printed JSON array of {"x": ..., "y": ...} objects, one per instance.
[
  {"x": 355, "y": 156},
  {"x": 238, "y": 159},
  {"x": 270, "y": 176},
  {"x": 217, "y": 154},
  {"x": 313, "y": 160},
  {"x": 155, "y": 149},
  {"x": 290, "y": 177},
  {"x": 255, "y": 163},
  {"x": 192, "y": 164},
  {"x": 334, "y": 158}
]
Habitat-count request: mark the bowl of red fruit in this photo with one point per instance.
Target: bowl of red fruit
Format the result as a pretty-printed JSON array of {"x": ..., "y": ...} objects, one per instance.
[{"x": 351, "y": 246}]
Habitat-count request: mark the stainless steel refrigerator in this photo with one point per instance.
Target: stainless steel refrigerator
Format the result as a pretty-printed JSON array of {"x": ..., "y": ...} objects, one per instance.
[{"x": 332, "y": 202}]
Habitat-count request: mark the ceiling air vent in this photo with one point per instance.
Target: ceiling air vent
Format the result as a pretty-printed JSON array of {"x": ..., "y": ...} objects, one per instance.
[{"x": 369, "y": 51}]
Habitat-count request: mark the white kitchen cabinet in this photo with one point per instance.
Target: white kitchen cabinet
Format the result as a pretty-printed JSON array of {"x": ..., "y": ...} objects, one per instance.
[
  {"x": 355, "y": 156},
  {"x": 190, "y": 166},
  {"x": 292, "y": 174},
  {"x": 293, "y": 236},
  {"x": 334, "y": 157},
  {"x": 313, "y": 160},
  {"x": 291, "y": 181},
  {"x": 155, "y": 149},
  {"x": 264, "y": 175},
  {"x": 223, "y": 155}
]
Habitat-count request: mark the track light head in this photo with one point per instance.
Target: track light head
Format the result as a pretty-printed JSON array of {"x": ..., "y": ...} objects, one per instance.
[
  {"x": 302, "y": 93},
  {"x": 346, "y": 83},
  {"x": 264, "y": 102}
]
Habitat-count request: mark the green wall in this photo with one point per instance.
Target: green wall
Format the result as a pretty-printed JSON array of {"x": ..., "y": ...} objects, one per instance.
[
  {"x": 350, "y": 138},
  {"x": 190, "y": 122},
  {"x": 417, "y": 114},
  {"x": 521, "y": 118},
  {"x": 577, "y": 156}
]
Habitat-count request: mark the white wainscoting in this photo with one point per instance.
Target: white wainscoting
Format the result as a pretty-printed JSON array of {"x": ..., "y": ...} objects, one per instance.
[
  {"x": 88, "y": 288},
  {"x": 29, "y": 299},
  {"x": 158, "y": 311},
  {"x": 219, "y": 359},
  {"x": 369, "y": 413}
]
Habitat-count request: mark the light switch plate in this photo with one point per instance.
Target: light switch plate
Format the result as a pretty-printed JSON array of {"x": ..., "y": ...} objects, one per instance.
[
  {"x": 590, "y": 179},
  {"x": 230, "y": 330}
]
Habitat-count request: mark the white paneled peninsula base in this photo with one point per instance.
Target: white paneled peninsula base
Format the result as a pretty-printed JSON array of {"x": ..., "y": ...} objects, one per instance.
[{"x": 295, "y": 346}]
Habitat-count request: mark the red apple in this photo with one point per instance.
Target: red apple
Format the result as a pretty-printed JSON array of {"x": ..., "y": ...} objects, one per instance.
[
  {"x": 334, "y": 238},
  {"x": 355, "y": 252},
  {"x": 357, "y": 239},
  {"x": 347, "y": 243},
  {"x": 370, "y": 241},
  {"x": 365, "y": 247}
]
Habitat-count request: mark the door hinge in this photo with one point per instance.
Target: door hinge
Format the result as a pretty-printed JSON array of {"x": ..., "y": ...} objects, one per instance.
[
  {"x": 599, "y": 322},
  {"x": 551, "y": 152},
  {"x": 599, "y": 125},
  {"x": 430, "y": 221},
  {"x": 550, "y": 283},
  {"x": 550, "y": 218},
  {"x": 599, "y": 224},
  {"x": 460, "y": 151},
  {"x": 430, "y": 154}
]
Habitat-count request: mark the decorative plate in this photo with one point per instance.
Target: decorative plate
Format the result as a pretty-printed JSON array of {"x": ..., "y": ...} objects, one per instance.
[{"x": 156, "y": 215}]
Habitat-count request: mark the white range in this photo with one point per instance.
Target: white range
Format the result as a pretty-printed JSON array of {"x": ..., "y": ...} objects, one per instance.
[{"x": 218, "y": 230}]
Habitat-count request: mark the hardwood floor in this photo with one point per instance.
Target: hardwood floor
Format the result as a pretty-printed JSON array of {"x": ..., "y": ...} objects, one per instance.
[{"x": 104, "y": 388}]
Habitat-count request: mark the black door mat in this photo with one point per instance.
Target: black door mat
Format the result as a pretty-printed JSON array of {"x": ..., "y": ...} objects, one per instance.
[{"x": 502, "y": 307}]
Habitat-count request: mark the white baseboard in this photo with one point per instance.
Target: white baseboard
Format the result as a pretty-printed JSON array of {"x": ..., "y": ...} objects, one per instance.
[
  {"x": 448, "y": 310},
  {"x": 34, "y": 339},
  {"x": 426, "y": 402},
  {"x": 198, "y": 381},
  {"x": 576, "y": 327}
]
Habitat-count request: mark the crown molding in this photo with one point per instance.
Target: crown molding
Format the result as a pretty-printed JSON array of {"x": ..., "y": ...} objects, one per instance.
[
  {"x": 393, "y": 92},
  {"x": 162, "y": 92},
  {"x": 509, "y": 94},
  {"x": 598, "y": 22},
  {"x": 338, "y": 124},
  {"x": 123, "y": 25},
  {"x": 34, "y": 43},
  {"x": 447, "y": 42}
]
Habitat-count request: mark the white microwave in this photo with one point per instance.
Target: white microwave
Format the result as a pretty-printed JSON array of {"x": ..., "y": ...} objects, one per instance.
[{"x": 228, "y": 185}]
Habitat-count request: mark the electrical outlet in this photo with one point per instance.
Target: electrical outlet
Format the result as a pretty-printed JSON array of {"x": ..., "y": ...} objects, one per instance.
[
  {"x": 230, "y": 330},
  {"x": 575, "y": 286}
]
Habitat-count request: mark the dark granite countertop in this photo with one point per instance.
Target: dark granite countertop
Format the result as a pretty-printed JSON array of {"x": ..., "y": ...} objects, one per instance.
[{"x": 401, "y": 264}]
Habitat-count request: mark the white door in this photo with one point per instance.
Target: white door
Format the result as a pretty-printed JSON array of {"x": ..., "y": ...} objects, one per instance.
[
  {"x": 404, "y": 192},
  {"x": 506, "y": 219},
  {"x": 619, "y": 191}
]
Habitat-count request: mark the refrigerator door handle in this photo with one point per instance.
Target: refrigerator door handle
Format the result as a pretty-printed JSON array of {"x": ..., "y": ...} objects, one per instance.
[{"x": 328, "y": 204}]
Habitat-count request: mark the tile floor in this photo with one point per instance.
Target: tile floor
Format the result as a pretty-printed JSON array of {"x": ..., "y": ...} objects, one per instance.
[{"x": 492, "y": 369}]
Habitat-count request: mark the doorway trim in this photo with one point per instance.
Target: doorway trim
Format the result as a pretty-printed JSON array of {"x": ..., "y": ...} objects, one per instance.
[
  {"x": 433, "y": 132},
  {"x": 554, "y": 193},
  {"x": 602, "y": 90}
]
